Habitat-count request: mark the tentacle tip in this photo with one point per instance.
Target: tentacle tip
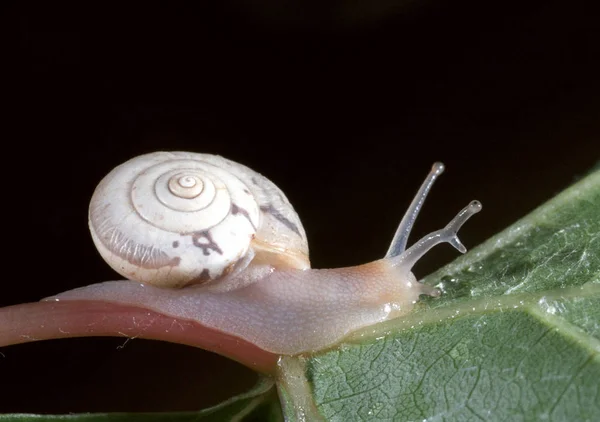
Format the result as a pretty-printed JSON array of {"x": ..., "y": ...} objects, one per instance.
[
  {"x": 430, "y": 291},
  {"x": 435, "y": 293},
  {"x": 455, "y": 241},
  {"x": 438, "y": 168},
  {"x": 475, "y": 206}
]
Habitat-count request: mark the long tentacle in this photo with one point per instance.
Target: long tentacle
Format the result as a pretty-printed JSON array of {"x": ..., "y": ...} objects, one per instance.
[{"x": 398, "y": 244}]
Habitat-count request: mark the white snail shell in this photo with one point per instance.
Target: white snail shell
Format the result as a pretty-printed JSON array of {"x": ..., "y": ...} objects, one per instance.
[{"x": 177, "y": 218}]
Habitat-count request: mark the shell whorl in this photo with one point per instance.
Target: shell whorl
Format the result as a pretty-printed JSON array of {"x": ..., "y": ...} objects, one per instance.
[{"x": 178, "y": 218}]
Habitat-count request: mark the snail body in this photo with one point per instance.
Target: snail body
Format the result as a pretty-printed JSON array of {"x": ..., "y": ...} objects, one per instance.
[{"x": 242, "y": 268}]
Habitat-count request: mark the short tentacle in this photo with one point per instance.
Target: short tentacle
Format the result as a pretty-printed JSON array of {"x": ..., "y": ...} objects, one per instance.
[
  {"x": 448, "y": 234},
  {"x": 398, "y": 244}
]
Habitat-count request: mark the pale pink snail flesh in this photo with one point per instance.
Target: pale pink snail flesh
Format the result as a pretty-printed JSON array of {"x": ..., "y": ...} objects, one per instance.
[{"x": 266, "y": 310}]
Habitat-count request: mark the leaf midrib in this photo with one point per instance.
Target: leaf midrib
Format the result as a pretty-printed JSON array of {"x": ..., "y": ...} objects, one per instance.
[{"x": 527, "y": 302}]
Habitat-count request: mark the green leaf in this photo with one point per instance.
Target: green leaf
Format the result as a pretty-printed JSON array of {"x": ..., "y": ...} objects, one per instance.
[
  {"x": 515, "y": 336},
  {"x": 258, "y": 404}
]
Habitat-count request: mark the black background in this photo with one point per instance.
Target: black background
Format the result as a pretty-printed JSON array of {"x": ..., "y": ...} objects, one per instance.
[{"x": 343, "y": 104}]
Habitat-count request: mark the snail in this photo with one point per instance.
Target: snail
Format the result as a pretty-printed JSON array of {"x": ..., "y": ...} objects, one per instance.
[{"x": 206, "y": 241}]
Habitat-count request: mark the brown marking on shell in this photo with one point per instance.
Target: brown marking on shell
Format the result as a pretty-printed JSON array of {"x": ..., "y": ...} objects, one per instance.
[
  {"x": 280, "y": 217},
  {"x": 205, "y": 277},
  {"x": 202, "y": 278},
  {"x": 206, "y": 247},
  {"x": 143, "y": 256},
  {"x": 228, "y": 269},
  {"x": 238, "y": 210},
  {"x": 175, "y": 244}
]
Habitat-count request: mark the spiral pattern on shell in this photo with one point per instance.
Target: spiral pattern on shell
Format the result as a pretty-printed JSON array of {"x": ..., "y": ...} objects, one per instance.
[{"x": 176, "y": 218}]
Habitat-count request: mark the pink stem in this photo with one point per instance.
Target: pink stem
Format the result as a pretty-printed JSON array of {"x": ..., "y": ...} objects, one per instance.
[{"x": 54, "y": 320}]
